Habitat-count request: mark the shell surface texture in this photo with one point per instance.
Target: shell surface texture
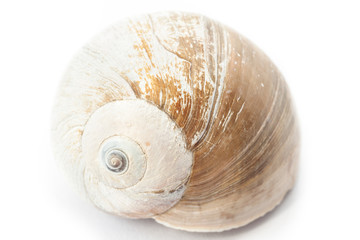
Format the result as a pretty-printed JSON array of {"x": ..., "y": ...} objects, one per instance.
[{"x": 176, "y": 117}]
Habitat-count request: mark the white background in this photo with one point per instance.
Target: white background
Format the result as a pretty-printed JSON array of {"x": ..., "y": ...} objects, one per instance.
[{"x": 316, "y": 44}]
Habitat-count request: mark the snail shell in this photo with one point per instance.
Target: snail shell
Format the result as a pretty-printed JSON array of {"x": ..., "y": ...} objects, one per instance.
[{"x": 176, "y": 117}]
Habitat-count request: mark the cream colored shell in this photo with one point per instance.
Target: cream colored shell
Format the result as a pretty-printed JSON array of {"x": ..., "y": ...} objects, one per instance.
[{"x": 203, "y": 117}]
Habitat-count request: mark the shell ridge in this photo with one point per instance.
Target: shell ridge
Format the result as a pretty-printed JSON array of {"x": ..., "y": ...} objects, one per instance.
[
  {"x": 264, "y": 123},
  {"x": 219, "y": 83},
  {"x": 190, "y": 70}
]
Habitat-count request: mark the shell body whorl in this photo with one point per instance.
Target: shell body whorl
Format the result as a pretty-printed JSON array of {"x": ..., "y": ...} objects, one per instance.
[{"x": 177, "y": 117}]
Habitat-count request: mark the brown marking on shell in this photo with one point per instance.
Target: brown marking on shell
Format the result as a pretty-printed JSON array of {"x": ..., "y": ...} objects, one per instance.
[
  {"x": 161, "y": 85},
  {"x": 192, "y": 109},
  {"x": 189, "y": 44},
  {"x": 159, "y": 191}
]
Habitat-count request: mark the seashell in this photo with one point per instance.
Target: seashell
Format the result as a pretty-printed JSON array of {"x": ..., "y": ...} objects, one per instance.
[{"x": 176, "y": 117}]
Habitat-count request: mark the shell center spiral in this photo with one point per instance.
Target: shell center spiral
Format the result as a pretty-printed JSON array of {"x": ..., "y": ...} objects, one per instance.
[{"x": 116, "y": 160}]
